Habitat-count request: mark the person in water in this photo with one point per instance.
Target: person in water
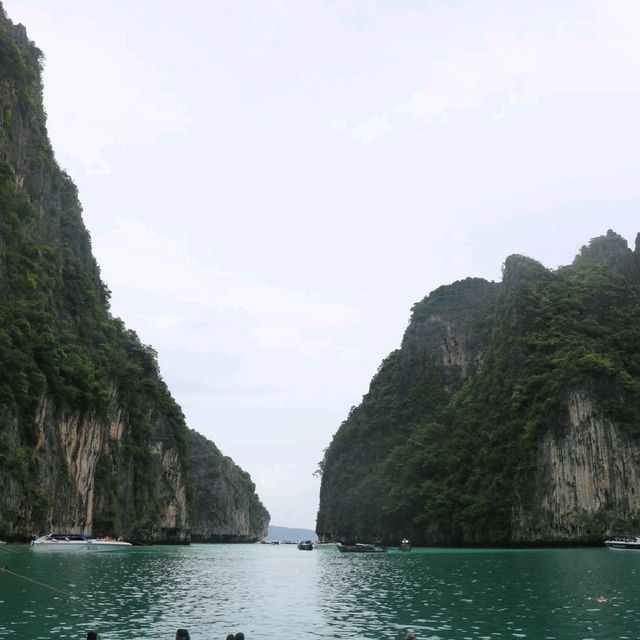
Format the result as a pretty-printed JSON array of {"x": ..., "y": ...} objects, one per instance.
[
  {"x": 410, "y": 635},
  {"x": 182, "y": 634},
  {"x": 231, "y": 637},
  {"x": 93, "y": 635},
  {"x": 239, "y": 635}
]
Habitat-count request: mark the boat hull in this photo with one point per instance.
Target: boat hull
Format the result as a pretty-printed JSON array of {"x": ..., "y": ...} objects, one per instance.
[
  {"x": 77, "y": 543},
  {"x": 80, "y": 546},
  {"x": 305, "y": 546},
  {"x": 623, "y": 542},
  {"x": 622, "y": 545}
]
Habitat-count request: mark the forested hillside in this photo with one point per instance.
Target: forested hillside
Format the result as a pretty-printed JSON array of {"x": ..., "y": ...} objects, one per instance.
[
  {"x": 226, "y": 507},
  {"x": 510, "y": 414},
  {"x": 90, "y": 437}
]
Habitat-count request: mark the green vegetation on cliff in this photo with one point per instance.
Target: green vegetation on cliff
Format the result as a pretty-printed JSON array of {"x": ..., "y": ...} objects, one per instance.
[
  {"x": 226, "y": 507},
  {"x": 89, "y": 433},
  {"x": 57, "y": 337},
  {"x": 445, "y": 440}
]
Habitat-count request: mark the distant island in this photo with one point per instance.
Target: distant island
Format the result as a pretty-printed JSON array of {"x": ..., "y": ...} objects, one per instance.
[{"x": 280, "y": 534}]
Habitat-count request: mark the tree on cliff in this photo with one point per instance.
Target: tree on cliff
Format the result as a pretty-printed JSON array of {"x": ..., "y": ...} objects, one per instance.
[{"x": 444, "y": 445}]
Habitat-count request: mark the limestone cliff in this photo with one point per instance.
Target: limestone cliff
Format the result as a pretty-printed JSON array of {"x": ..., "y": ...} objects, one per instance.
[
  {"x": 510, "y": 414},
  {"x": 226, "y": 508},
  {"x": 585, "y": 483},
  {"x": 90, "y": 437}
]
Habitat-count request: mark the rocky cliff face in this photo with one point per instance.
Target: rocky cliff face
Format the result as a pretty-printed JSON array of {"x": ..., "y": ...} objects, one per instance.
[
  {"x": 510, "y": 415},
  {"x": 448, "y": 329},
  {"x": 585, "y": 481},
  {"x": 89, "y": 486},
  {"x": 90, "y": 437},
  {"x": 225, "y": 504},
  {"x": 365, "y": 492}
]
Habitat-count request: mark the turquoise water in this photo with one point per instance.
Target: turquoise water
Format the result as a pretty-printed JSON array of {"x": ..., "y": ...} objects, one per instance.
[{"x": 270, "y": 591}]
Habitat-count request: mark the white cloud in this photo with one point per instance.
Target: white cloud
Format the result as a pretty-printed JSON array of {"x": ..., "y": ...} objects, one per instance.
[
  {"x": 277, "y": 481},
  {"x": 350, "y": 354},
  {"x": 272, "y": 479},
  {"x": 164, "y": 322},
  {"x": 338, "y": 125},
  {"x": 601, "y": 55},
  {"x": 99, "y": 92},
  {"x": 135, "y": 257},
  {"x": 371, "y": 129}
]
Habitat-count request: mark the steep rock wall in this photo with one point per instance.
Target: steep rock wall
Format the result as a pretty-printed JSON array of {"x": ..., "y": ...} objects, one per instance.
[
  {"x": 87, "y": 482},
  {"x": 447, "y": 326},
  {"x": 510, "y": 414},
  {"x": 450, "y": 343},
  {"x": 442, "y": 348},
  {"x": 90, "y": 437},
  {"x": 586, "y": 480},
  {"x": 226, "y": 507}
]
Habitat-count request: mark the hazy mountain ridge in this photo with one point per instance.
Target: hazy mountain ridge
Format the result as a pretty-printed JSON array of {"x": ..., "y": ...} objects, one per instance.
[
  {"x": 278, "y": 534},
  {"x": 91, "y": 438},
  {"x": 510, "y": 414}
]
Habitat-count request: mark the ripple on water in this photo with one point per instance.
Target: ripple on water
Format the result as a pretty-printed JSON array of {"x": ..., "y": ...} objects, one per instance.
[{"x": 271, "y": 591}]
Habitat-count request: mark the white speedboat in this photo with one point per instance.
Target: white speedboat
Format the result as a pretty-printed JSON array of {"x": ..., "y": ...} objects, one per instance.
[
  {"x": 623, "y": 542},
  {"x": 64, "y": 541}
]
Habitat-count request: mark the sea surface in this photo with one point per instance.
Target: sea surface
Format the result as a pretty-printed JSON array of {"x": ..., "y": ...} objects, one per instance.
[{"x": 276, "y": 591}]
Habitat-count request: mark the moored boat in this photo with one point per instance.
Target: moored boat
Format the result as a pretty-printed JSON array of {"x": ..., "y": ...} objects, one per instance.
[
  {"x": 405, "y": 545},
  {"x": 305, "y": 545},
  {"x": 623, "y": 542},
  {"x": 66, "y": 541},
  {"x": 361, "y": 547}
]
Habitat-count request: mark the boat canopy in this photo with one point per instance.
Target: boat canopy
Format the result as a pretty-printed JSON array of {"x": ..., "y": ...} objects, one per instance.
[{"x": 62, "y": 535}]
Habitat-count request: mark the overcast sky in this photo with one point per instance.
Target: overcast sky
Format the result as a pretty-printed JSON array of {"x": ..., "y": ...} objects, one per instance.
[{"x": 271, "y": 185}]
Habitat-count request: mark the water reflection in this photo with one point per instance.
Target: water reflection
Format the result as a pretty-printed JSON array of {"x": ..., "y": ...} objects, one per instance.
[
  {"x": 268, "y": 592},
  {"x": 481, "y": 594}
]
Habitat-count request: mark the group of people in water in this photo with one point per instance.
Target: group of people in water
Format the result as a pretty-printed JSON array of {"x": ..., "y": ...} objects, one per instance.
[{"x": 181, "y": 634}]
